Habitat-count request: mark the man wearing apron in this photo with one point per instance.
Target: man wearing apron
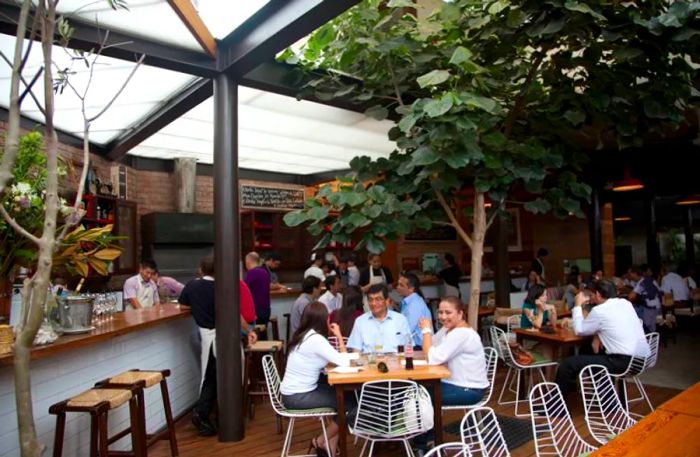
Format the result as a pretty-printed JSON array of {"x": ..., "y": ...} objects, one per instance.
[
  {"x": 375, "y": 273},
  {"x": 199, "y": 296},
  {"x": 140, "y": 291}
]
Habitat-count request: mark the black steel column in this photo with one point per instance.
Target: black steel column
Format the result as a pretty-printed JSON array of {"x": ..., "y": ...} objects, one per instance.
[
  {"x": 689, "y": 242},
  {"x": 227, "y": 252},
  {"x": 653, "y": 253},
  {"x": 595, "y": 231},
  {"x": 500, "y": 253}
]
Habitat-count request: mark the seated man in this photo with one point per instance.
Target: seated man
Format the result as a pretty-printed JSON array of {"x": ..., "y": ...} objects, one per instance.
[
  {"x": 380, "y": 327},
  {"x": 310, "y": 291},
  {"x": 332, "y": 298},
  {"x": 412, "y": 305},
  {"x": 616, "y": 323},
  {"x": 140, "y": 291}
]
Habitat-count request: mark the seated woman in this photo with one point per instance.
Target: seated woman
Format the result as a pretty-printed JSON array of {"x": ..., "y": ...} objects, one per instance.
[
  {"x": 536, "y": 312},
  {"x": 459, "y": 346},
  {"x": 351, "y": 309},
  {"x": 533, "y": 278},
  {"x": 309, "y": 353}
]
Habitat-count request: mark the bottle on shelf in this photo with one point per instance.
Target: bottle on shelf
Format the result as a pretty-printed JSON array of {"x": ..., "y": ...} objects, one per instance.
[{"x": 408, "y": 350}]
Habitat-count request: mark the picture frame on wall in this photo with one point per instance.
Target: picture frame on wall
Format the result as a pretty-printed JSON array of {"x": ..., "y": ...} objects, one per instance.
[{"x": 514, "y": 238}]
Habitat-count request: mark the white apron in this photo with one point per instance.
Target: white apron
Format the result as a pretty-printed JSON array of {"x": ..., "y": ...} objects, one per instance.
[
  {"x": 208, "y": 337},
  {"x": 144, "y": 294}
]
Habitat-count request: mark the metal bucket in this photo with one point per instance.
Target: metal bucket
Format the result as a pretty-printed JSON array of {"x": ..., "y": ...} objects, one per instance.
[{"x": 75, "y": 312}]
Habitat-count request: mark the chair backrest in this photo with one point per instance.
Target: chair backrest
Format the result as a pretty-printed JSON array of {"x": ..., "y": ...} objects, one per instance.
[
  {"x": 493, "y": 336},
  {"x": 482, "y": 435},
  {"x": 390, "y": 409},
  {"x": 605, "y": 415},
  {"x": 334, "y": 342},
  {"x": 552, "y": 427},
  {"x": 501, "y": 342},
  {"x": 449, "y": 449},
  {"x": 272, "y": 378},
  {"x": 653, "y": 341},
  {"x": 491, "y": 364}
]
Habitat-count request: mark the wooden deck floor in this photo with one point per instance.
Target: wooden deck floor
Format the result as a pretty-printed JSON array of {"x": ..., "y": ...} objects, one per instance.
[{"x": 262, "y": 440}]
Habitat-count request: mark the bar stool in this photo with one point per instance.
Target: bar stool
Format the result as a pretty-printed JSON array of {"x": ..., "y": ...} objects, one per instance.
[
  {"x": 273, "y": 325},
  {"x": 98, "y": 402},
  {"x": 147, "y": 379},
  {"x": 254, "y": 385}
]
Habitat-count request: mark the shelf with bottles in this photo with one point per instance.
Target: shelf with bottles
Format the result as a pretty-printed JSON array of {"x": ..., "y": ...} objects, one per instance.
[{"x": 99, "y": 209}]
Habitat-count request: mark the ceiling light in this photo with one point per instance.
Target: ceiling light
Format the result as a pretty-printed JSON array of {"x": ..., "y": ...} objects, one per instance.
[
  {"x": 687, "y": 201},
  {"x": 627, "y": 183},
  {"x": 623, "y": 219}
]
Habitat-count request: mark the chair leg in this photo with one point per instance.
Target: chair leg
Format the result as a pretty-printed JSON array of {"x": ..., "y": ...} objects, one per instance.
[
  {"x": 103, "y": 437},
  {"x": 58, "y": 438},
  {"x": 138, "y": 433},
  {"x": 409, "y": 451},
  {"x": 371, "y": 449},
  {"x": 168, "y": 418},
  {"x": 505, "y": 386},
  {"x": 643, "y": 391},
  {"x": 93, "y": 433},
  {"x": 517, "y": 395},
  {"x": 288, "y": 438}
]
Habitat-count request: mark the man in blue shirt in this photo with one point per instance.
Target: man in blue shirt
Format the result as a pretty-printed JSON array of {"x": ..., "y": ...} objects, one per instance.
[
  {"x": 380, "y": 329},
  {"x": 412, "y": 306}
]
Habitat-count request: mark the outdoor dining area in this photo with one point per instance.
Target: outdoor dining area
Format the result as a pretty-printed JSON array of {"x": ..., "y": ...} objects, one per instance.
[{"x": 349, "y": 228}]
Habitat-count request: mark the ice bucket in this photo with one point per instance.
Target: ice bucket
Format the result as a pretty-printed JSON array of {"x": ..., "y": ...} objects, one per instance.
[{"x": 75, "y": 312}]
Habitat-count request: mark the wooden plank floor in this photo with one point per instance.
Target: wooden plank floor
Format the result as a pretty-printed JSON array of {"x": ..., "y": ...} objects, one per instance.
[{"x": 262, "y": 440}]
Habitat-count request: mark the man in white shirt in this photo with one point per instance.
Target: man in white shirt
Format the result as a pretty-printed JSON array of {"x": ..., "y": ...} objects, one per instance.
[
  {"x": 141, "y": 291},
  {"x": 332, "y": 298},
  {"x": 672, "y": 283},
  {"x": 315, "y": 268},
  {"x": 617, "y": 326}
]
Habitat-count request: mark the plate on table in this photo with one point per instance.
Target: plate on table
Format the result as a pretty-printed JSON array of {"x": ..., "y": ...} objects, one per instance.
[
  {"x": 350, "y": 355},
  {"x": 75, "y": 331},
  {"x": 345, "y": 370},
  {"x": 416, "y": 363}
]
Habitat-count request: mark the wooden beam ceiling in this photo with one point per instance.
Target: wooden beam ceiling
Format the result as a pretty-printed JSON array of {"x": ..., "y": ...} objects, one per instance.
[{"x": 194, "y": 23}]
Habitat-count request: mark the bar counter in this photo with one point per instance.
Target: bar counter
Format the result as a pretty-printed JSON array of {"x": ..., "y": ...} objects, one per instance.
[{"x": 149, "y": 339}]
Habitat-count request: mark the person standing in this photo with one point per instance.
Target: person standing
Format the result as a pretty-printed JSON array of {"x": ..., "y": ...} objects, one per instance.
[
  {"x": 140, "y": 291},
  {"x": 380, "y": 327},
  {"x": 258, "y": 280},
  {"x": 646, "y": 296},
  {"x": 272, "y": 263},
  {"x": 199, "y": 294},
  {"x": 332, "y": 298},
  {"x": 310, "y": 291},
  {"x": 375, "y": 273},
  {"x": 412, "y": 305},
  {"x": 450, "y": 275},
  {"x": 315, "y": 269},
  {"x": 353, "y": 271},
  {"x": 538, "y": 263},
  {"x": 167, "y": 287},
  {"x": 615, "y": 322}
]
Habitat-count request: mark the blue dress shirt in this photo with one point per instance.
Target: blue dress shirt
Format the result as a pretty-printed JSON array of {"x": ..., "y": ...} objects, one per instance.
[
  {"x": 414, "y": 308},
  {"x": 369, "y": 331}
]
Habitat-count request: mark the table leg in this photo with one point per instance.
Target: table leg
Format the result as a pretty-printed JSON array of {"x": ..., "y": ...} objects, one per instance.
[
  {"x": 437, "y": 412},
  {"x": 340, "y": 400}
]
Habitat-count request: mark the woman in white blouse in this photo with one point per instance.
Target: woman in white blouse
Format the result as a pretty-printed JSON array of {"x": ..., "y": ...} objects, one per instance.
[
  {"x": 458, "y": 346},
  {"x": 309, "y": 353}
]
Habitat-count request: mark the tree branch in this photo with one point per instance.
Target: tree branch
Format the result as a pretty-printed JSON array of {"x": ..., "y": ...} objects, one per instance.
[
  {"x": 493, "y": 216},
  {"x": 395, "y": 83},
  {"x": 450, "y": 214},
  {"x": 121, "y": 89},
  {"x": 520, "y": 98}
]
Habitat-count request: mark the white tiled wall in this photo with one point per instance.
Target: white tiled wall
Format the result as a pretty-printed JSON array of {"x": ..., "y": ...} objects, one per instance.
[{"x": 169, "y": 345}]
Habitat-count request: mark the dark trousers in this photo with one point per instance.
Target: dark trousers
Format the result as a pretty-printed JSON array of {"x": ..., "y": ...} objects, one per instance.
[
  {"x": 567, "y": 374},
  {"x": 207, "y": 395}
]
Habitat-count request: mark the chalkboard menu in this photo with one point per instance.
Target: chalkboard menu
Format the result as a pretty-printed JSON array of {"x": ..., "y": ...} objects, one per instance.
[
  {"x": 435, "y": 233},
  {"x": 263, "y": 197}
]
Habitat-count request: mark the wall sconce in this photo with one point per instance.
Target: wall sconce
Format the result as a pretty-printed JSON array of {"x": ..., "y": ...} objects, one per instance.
[
  {"x": 688, "y": 201},
  {"x": 622, "y": 219}
]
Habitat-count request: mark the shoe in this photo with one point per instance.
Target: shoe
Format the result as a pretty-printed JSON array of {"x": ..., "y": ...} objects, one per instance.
[
  {"x": 203, "y": 425},
  {"x": 320, "y": 452}
]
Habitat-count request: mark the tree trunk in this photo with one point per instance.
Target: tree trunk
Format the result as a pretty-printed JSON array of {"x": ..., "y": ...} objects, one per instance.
[{"x": 478, "y": 235}]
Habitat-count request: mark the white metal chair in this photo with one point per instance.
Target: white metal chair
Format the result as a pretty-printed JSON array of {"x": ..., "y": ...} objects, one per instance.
[
  {"x": 482, "y": 435},
  {"x": 515, "y": 367},
  {"x": 513, "y": 323},
  {"x": 449, "y": 450},
  {"x": 552, "y": 427},
  {"x": 389, "y": 411},
  {"x": 605, "y": 415},
  {"x": 636, "y": 368},
  {"x": 491, "y": 363},
  {"x": 334, "y": 342},
  {"x": 273, "y": 387}
]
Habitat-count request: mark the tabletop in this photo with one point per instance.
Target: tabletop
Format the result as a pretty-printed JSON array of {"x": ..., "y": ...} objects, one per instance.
[
  {"x": 396, "y": 371},
  {"x": 673, "y": 430},
  {"x": 562, "y": 335}
]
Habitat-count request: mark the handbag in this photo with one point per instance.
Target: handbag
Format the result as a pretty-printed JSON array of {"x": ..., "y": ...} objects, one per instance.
[
  {"x": 521, "y": 355},
  {"x": 418, "y": 411}
]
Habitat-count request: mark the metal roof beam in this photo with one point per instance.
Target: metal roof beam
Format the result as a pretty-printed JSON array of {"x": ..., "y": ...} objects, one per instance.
[
  {"x": 123, "y": 46},
  {"x": 277, "y": 25}
]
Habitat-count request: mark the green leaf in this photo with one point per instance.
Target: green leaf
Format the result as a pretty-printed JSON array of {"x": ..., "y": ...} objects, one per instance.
[
  {"x": 654, "y": 109},
  {"x": 318, "y": 213},
  {"x": 372, "y": 211},
  {"x": 497, "y": 7},
  {"x": 377, "y": 193},
  {"x": 407, "y": 122},
  {"x": 356, "y": 220},
  {"x": 570, "y": 205},
  {"x": 433, "y": 78},
  {"x": 627, "y": 53},
  {"x": 401, "y": 4},
  {"x": 375, "y": 245},
  {"x": 435, "y": 108},
  {"x": 516, "y": 18},
  {"x": 539, "y": 205},
  {"x": 352, "y": 198},
  {"x": 377, "y": 112},
  {"x": 424, "y": 156},
  {"x": 294, "y": 218},
  {"x": 495, "y": 140},
  {"x": 583, "y": 8},
  {"x": 669, "y": 20},
  {"x": 575, "y": 117},
  {"x": 685, "y": 34},
  {"x": 487, "y": 104},
  {"x": 461, "y": 54},
  {"x": 456, "y": 159}
]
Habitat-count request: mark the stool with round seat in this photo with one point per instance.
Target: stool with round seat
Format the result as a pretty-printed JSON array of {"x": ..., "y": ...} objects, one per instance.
[
  {"x": 254, "y": 382},
  {"x": 98, "y": 402},
  {"x": 147, "y": 379}
]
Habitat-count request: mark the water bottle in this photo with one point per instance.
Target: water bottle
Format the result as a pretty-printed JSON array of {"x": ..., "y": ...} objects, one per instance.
[{"x": 409, "y": 353}]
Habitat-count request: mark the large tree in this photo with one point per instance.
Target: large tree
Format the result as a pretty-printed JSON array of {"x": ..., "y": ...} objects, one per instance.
[{"x": 498, "y": 97}]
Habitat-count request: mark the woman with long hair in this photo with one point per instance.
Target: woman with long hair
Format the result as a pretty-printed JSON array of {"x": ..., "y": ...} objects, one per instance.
[
  {"x": 536, "y": 312},
  {"x": 351, "y": 309},
  {"x": 309, "y": 353}
]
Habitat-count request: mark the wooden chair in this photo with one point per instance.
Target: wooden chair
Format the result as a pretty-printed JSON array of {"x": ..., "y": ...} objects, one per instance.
[
  {"x": 98, "y": 402},
  {"x": 254, "y": 383}
]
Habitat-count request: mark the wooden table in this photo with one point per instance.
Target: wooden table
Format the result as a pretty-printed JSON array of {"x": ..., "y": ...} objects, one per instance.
[
  {"x": 554, "y": 342},
  {"x": 426, "y": 374},
  {"x": 673, "y": 430}
]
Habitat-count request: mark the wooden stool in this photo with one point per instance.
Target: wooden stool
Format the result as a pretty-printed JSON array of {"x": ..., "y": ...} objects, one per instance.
[
  {"x": 98, "y": 402},
  {"x": 262, "y": 329},
  {"x": 147, "y": 379},
  {"x": 274, "y": 325},
  {"x": 288, "y": 326},
  {"x": 253, "y": 371}
]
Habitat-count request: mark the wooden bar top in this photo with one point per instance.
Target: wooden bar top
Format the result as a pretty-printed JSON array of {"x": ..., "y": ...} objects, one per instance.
[
  {"x": 686, "y": 402},
  {"x": 129, "y": 321}
]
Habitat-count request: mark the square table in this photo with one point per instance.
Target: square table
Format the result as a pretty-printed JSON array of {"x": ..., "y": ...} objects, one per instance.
[
  {"x": 423, "y": 374},
  {"x": 563, "y": 337}
]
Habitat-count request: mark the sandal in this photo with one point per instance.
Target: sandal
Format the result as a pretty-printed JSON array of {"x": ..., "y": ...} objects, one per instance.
[{"x": 320, "y": 452}]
